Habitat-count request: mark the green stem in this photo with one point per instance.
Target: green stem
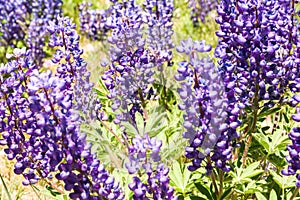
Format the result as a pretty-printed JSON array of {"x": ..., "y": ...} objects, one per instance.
[
  {"x": 140, "y": 92},
  {"x": 162, "y": 80},
  {"x": 213, "y": 178},
  {"x": 282, "y": 195},
  {"x": 295, "y": 193},
  {"x": 112, "y": 132},
  {"x": 253, "y": 125},
  {"x": 221, "y": 176}
]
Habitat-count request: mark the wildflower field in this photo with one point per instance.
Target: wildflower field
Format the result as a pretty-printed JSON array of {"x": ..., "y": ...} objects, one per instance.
[{"x": 149, "y": 99}]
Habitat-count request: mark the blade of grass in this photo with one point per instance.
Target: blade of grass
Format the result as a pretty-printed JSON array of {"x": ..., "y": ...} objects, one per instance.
[
  {"x": 2, "y": 193},
  {"x": 5, "y": 188},
  {"x": 36, "y": 191}
]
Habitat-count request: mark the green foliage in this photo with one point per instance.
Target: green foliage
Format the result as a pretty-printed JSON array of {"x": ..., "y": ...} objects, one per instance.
[
  {"x": 53, "y": 194},
  {"x": 258, "y": 177},
  {"x": 5, "y": 188},
  {"x": 180, "y": 177}
]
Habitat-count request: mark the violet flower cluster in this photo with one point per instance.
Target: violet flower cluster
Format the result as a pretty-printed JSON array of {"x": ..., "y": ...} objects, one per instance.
[
  {"x": 259, "y": 52},
  {"x": 42, "y": 11},
  {"x": 11, "y": 14},
  {"x": 92, "y": 21},
  {"x": 72, "y": 68},
  {"x": 210, "y": 117},
  {"x": 25, "y": 22},
  {"x": 294, "y": 148},
  {"x": 200, "y": 9},
  {"x": 144, "y": 157},
  {"x": 40, "y": 127},
  {"x": 158, "y": 17},
  {"x": 294, "y": 61},
  {"x": 255, "y": 46},
  {"x": 130, "y": 71}
]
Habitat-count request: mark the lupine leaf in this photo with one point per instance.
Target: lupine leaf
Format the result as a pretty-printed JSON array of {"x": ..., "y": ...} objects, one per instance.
[
  {"x": 260, "y": 196},
  {"x": 226, "y": 193},
  {"x": 250, "y": 171},
  {"x": 203, "y": 190},
  {"x": 273, "y": 195},
  {"x": 196, "y": 198},
  {"x": 155, "y": 123},
  {"x": 140, "y": 123},
  {"x": 283, "y": 181},
  {"x": 130, "y": 129},
  {"x": 176, "y": 176},
  {"x": 266, "y": 112},
  {"x": 263, "y": 140}
]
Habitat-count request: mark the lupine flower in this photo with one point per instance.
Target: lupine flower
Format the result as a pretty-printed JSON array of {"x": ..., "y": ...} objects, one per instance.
[
  {"x": 130, "y": 71},
  {"x": 92, "y": 21},
  {"x": 255, "y": 49},
  {"x": 158, "y": 17},
  {"x": 72, "y": 67},
  {"x": 259, "y": 52},
  {"x": 41, "y": 129},
  {"x": 144, "y": 157},
  {"x": 11, "y": 13},
  {"x": 26, "y": 21},
  {"x": 200, "y": 9},
  {"x": 210, "y": 119},
  {"x": 293, "y": 62}
]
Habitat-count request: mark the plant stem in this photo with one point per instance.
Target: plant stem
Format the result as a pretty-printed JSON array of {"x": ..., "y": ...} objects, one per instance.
[
  {"x": 253, "y": 126},
  {"x": 140, "y": 92},
  {"x": 295, "y": 193},
  {"x": 213, "y": 178},
  {"x": 247, "y": 145},
  {"x": 111, "y": 131},
  {"x": 221, "y": 177}
]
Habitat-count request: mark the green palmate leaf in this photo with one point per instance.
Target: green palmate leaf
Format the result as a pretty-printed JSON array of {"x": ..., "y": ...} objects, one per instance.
[
  {"x": 101, "y": 95},
  {"x": 155, "y": 123},
  {"x": 203, "y": 190},
  {"x": 283, "y": 181},
  {"x": 130, "y": 129},
  {"x": 263, "y": 141},
  {"x": 260, "y": 196},
  {"x": 196, "y": 198},
  {"x": 102, "y": 91},
  {"x": 277, "y": 178},
  {"x": 226, "y": 193},
  {"x": 279, "y": 141},
  {"x": 272, "y": 143},
  {"x": 273, "y": 195},
  {"x": 241, "y": 175},
  {"x": 180, "y": 177},
  {"x": 140, "y": 123},
  {"x": 267, "y": 111},
  {"x": 175, "y": 176},
  {"x": 186, "y": 176},
  {"x": 250, "y": 171}
]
